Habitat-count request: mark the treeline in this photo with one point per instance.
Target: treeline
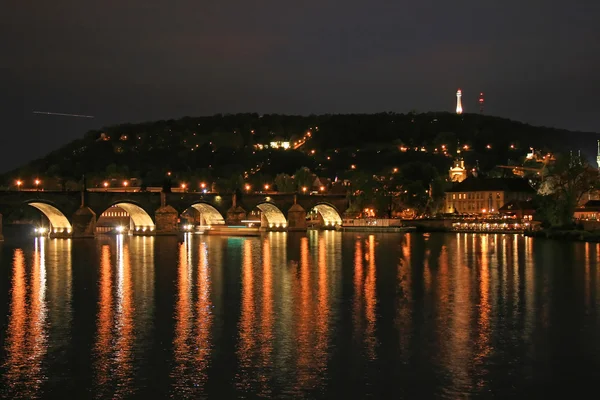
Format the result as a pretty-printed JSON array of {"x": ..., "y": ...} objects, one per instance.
[{"x": 222, "y": 147}]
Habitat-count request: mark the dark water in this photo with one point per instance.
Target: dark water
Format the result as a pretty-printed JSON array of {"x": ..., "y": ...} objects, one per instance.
[{"x": 322, "y": 315}]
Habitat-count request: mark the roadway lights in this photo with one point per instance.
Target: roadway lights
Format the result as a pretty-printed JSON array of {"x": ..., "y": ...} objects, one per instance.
[
  {"x": 125, "y": 183},
  {"x": 183, "y": 186},
  {"x": 19, "y": 183},
  {"x": 37, "y": 183},
  {"x": 353, "y": 166},
  {"x": 322, "y": 188},
  {"x": 267, "y": 186},
  {"x": 247, "y": 187},
  {"x": 105, "y": 184},
  {"x": 395, "y": 170},
  {"x": 304, "y": 189},
  {"x": 120, "y": 229},
  {"x": 202, "y": 185}
]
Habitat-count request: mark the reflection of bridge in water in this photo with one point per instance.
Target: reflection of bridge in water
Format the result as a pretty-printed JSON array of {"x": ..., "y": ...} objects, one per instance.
[{"x": 83, "y": 214}]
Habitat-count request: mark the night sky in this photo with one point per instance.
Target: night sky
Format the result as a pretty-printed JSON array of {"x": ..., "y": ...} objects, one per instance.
[{"x": 128, "y": 61}]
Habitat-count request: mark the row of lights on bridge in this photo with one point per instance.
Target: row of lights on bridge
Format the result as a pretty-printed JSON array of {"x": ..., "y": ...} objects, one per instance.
[
  {"x": 20, "y": 183},
  {"x": 184, "y": 186}
]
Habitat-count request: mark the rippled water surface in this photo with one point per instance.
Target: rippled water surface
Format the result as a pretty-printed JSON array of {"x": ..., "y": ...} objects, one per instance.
[{"x": 320, "y": 315}]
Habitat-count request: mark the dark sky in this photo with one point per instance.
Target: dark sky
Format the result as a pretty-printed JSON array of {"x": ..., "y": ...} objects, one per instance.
[{"x": 537, "y": 61}]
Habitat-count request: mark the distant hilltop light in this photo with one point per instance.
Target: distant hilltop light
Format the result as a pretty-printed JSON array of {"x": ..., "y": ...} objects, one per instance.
[
  {"x": 459, "y": 109},
  {"x": 63, "y": 114}
]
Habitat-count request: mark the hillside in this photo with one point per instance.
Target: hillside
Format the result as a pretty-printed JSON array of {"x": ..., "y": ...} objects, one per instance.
[{"x": 223, "y": 147}]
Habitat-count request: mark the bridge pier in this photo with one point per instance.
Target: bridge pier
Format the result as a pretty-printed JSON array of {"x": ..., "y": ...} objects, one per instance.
[
  {"x": 166, "y": 220},
  {"x": 296, "y": 218},
  {"x": 84, "y": 223},
  {"x": 235, "y": 215}
]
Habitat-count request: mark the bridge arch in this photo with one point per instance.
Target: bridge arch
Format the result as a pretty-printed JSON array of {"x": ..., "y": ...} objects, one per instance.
[
  {"x": 59, "y": 223},
  {"x": 272, "y": 216},
  {"x": 209, "y": 214},
  {"x": 139, "y": 217},
  {"x": 330, "y": 215}
]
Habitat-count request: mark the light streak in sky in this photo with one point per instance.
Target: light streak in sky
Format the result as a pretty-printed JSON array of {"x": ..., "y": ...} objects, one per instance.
[{"x": 63, "y": 114}]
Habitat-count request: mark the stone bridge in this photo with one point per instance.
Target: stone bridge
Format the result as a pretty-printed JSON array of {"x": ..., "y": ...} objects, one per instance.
[{"x": 74, "y": 214}]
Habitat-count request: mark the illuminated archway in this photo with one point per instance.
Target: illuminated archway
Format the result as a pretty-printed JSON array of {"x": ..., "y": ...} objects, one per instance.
[
  {"x": 58, "y": 221},
  {"x": 273, "y": 215},
  {"x": 331, "y": 217},
  {"x": 211, "y": 215},
  {"x": 140, "y": 218}
]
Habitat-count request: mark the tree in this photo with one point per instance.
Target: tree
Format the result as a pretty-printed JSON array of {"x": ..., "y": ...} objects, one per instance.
[
  {"x": 284, "y": 183},
  {"x": 565, "y": 182},
  {"x": 303, "y": 178}
]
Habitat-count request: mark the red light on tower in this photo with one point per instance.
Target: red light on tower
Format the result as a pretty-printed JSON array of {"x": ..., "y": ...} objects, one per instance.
[{"x": 481, "y": 102}]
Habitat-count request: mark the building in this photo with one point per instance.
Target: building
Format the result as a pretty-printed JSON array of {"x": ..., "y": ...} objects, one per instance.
[
  {"x": 458, "y": 172},
  {"x": 485, "y": 195},
  {"x": 589, "y": 211},
  {"x": 518, "y": 209}
]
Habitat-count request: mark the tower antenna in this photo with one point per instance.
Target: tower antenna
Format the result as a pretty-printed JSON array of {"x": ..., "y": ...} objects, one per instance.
[
  {"x": 481, "y": 102},
  {"x": 459, "y": 109}
]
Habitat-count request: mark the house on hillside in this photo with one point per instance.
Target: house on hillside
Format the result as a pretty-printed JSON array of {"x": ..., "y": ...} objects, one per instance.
[
  {"x": 486, "y": 195},
  {"x": 589, "y": 211}
]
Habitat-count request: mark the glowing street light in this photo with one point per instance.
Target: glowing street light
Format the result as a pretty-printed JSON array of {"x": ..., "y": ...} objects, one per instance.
[
  {"x": 353, "y": 166},
  {"x": 37, "y": 184},
  {"x": 247, "y": 187},
  {"x": 125, "y": 183},
  {"x": 183, "y": 185},
  {"x": 322, "y": 188},
  {"x": 19, "y": 183},
  {"x": 203, "y": 185},
  {"x": 304, "y": 189},
  {"x": 395, "y": 170},
  {"x": 267, "y": 186}
]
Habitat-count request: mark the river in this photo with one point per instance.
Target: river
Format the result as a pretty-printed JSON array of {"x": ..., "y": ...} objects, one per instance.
[{"x": 316, "y": 315}]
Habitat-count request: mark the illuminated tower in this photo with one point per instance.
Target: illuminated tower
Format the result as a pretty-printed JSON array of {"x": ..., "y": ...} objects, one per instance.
[
  {"x": 481, "y": 101},
  {"x": 458, "y": 103},
  {"x": 598, "y": 156}
]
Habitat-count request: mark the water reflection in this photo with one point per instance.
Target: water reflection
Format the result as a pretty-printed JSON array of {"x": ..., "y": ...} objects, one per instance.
[
  {"x": 321, "y": 315},
  {"x": 193, "y": 322},
  {"x": 123, "y": 319},
  {"x": 39, "y": 309}
]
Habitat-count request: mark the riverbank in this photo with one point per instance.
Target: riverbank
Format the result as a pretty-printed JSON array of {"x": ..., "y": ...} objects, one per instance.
[{"x": 570, "y": 235}]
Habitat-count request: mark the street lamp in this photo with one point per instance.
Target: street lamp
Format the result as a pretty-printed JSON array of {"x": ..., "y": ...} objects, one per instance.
[
  {"x": 203, "y": 185},
  {"x": 37, "y": 184},
  {"x": 247, "y": 187},
  {"x": 322, "y": 188},
  {"x": 304, "y": 189},
  {"x": 183, "y": 185},
  {"x": 19, "y": 183},
  {"x": 267, "y": 186},
  {"x": 125, "y": 183}
]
